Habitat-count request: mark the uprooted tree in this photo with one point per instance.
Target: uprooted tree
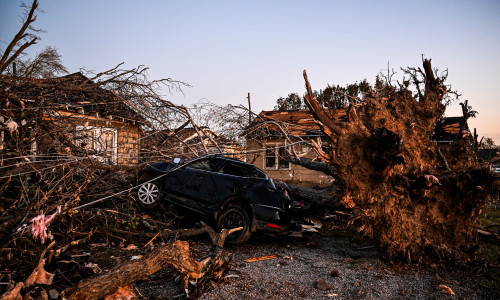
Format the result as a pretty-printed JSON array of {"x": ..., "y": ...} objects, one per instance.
[{"x": 414, "y": 197}]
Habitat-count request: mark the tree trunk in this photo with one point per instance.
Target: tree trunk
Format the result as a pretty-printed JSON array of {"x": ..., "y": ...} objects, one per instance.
[
  {"x": 176, "y": 255},
  {"x": 326, "y": 197}
]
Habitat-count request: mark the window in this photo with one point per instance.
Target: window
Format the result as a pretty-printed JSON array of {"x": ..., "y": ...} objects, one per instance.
[
  {"x": 276, "y": 157},
  {"x": 99, "y": 141},
  {"x": 85, "y": 137},
  {"x": 283, "y": 162},
  {"x": 270, "y": 159},
  {"x": 106, "y": 144}
]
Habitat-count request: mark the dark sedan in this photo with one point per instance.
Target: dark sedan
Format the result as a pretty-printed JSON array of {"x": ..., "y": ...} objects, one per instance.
[{"x": 234, "y": 193}]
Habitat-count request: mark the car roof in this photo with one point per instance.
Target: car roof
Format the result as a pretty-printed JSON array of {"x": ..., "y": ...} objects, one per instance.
[
  {"x": 225, "y": 158},
  {"x": 219, "y": 156}
]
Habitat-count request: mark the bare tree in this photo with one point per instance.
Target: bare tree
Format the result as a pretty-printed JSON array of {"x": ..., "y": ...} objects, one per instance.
[
  {"x": 229, "y": 121},
  {"x": 46, "y": 64},
  {"x": 488, "y": 143},
  {"x": 25, "y": 38}
]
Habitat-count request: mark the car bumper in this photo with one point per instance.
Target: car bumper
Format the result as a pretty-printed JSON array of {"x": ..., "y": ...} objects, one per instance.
[{"x": 273, "y": 219}]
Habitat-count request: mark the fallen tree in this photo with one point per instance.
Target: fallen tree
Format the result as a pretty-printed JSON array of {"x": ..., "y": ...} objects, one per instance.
[
  {"x": 415, "y": 197},
  {"x": 119, "y": 280},
  {"x": 176, "y": 255}
]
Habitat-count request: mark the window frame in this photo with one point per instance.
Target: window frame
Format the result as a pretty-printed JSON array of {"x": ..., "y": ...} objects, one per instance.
[
  {"x": 270, "y": 148},
  {"x": 276, "y": 149},
  {"x": 104, "y": 155}
]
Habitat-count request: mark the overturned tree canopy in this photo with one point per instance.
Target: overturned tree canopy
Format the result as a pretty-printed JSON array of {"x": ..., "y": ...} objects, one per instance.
[{"x": 415, "y": 196}]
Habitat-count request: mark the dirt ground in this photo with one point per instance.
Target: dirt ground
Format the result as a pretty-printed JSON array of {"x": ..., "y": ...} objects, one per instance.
[{"x": 336, "y": 264}]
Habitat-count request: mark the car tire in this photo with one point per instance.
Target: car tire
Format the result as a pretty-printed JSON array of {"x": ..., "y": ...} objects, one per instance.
[
  {"x": 232, "y": 217},
  {"x": 148, "y": 194}
]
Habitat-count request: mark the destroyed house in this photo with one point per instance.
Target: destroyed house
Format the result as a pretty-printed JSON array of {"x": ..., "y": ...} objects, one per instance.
[
  {"x": 187, "y": 143},
  {"x": 70, "y": 116},
  {"x": 268, "y": 144},
  {"x": 490, "y": 157}
]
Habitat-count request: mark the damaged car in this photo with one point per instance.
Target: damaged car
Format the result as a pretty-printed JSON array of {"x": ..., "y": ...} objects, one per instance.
[{"x": 232, "y": 192}]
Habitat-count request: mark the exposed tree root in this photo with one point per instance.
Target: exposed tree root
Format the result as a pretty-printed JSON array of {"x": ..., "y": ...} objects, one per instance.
[{"x": 416, "y": 199}]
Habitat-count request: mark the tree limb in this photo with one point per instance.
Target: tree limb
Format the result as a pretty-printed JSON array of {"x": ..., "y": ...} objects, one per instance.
[
  {"x": 324, "y": 120},
  {"x": 322, "y": 166},
  {"x": 5, "y": 61}
]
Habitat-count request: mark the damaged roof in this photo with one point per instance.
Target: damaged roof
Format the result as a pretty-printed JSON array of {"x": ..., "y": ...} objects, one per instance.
[
  {"x": 301, "y": 123},
  {"x": 295, "y": 122},
  {"x": 74, "y": 93},
  {"x": 447, "y": 130}
]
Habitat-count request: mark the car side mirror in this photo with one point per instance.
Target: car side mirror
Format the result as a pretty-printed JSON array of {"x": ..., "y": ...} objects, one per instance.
[{"x": 177, "y": 160}]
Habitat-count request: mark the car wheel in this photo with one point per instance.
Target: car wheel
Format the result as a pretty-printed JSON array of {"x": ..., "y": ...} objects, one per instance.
[
  {"x": 232, "y": 217},
  {"x": 148, "y": 194}
]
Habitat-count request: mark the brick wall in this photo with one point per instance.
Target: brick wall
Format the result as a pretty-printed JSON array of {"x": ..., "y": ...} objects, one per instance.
[{"x": 128, "y": 144}]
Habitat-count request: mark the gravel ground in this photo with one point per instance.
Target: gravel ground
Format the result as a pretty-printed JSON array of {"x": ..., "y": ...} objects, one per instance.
[
  {"x": 350, "y": 268},
  {"x": 357, "y": 273}
]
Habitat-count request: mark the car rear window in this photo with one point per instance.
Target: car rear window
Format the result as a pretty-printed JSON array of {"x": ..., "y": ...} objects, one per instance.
[
  {"x": 259, "y": 174},
  {"x": 236, "y": 170}
]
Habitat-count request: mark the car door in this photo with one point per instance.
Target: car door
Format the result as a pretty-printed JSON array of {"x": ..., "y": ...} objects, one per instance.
[
  {"x": 232, "y": 178},
  {"x": 191, "y": 184}
]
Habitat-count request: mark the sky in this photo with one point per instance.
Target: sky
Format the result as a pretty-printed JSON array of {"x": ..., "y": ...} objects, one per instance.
[{"x": 227, "y": 49}]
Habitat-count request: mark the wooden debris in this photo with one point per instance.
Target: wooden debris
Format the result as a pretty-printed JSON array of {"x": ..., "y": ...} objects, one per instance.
[
  {"x": 14, "y": 293},
  {"x": 123, "y": 293},
  {"x": 39, "y": 276},
  {"x": 260, "y": 258},
  {"x": 445, "y": 289}
]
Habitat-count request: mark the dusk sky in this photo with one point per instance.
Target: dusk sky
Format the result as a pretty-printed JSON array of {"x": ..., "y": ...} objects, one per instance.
[{"x": 226, "y": 49}]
